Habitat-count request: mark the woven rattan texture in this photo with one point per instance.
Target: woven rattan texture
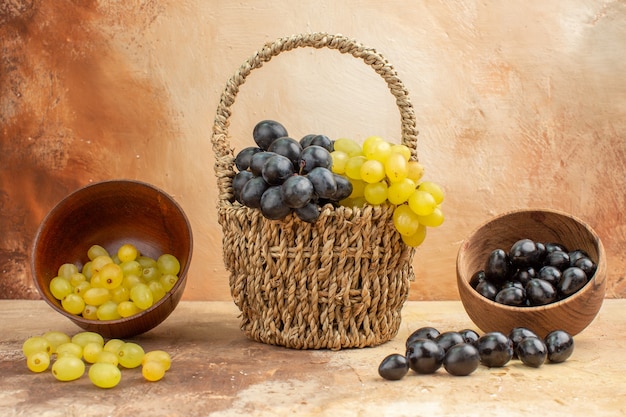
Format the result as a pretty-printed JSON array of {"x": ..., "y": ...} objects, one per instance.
[{"x": 338, "y": 283}]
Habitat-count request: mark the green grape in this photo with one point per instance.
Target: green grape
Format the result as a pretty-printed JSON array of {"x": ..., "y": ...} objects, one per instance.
[
  {"x": 153, "y": 371},
  {"x": 158, "y": 292},
  {"x": 111, "y": 276},
  {"x": 108, "y": 311},
  {"x": 87, "y": 271},
  {"x": 416, "y": 171},
  {"x": 432, "y": 188},
  {"x": 353, "y": 167},
  {"x": 150, "y": 273},
  {"x": 375, "y": 193},
  {"x": 120, "y": 294},
  {"x": 168, "y": 281},
  {"x": 84, "y": 337},
  {"x": 422, "y": 203},
  {"x": 36, "y": 344},
  {"x": 56, "y": 339},
  {"x": 402, "y": 150},
  {"x": 81, "y": 288},
  {"x": 141, "y": 295},
  {"x": 60, "y": 287},
  {"x": 146, "y": 262},
  {"x": 77, "y": 278},
  {"x": 68, "y": 368},
  {"x": 399, "y": 192},
  {"x": 96, "y": 250},
  {"x": 130, "y": 355},
  {"x": 358, "y": 188},
  {"x": 113, "y": 345},
  {"x": 67, "y": 270},
  {"x": 90, "y": 312},
  {"x": 339, "y": 161},
  {"x": 91, "y": 352},
  {"x": 105, "y": 375},
  {"x": 168, "y": 264},
  {"x": 348, "y": 146},
  {"x": 396, "y": 167},
  {"x": 416, "y": 238},
  {"x": 69, "y": 349},
  {"x": 73, "y": 303},
  {"x": 158, "y": 356},
  {"x": 107, "y": 357},
  {"x": 127, "y": 252},
  {"x": 38, "y": 362},
  {"x": 131, "y": 268},
  {"x": 434, "y": 219},
  {"x": 99, "y": 262},
  {"x": 127, "y": 309},
  {"x": 130, "y": 281},
  {"x": 372, "y": 171},
  {"x": 405, "y": 220},
  {"x": 96, "y": 296}
]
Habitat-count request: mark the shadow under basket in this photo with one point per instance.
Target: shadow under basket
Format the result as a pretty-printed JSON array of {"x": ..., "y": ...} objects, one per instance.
[{"x": 340, "y": 282}]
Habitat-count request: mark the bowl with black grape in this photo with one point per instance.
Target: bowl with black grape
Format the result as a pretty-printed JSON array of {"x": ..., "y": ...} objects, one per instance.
[
  {"x": 540, "y": 269},
  {"x": 113, "y": 257}
]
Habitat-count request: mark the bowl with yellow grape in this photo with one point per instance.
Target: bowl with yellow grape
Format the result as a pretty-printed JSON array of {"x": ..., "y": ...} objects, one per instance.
[{"x": 113, "y": 257}]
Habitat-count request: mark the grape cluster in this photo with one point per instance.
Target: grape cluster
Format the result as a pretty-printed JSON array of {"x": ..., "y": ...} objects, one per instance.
[
  {"x": 381, "y": 172},
  {"x": 282, "y": 175},
  {"x": 111, "y": 287},
  {"x": 533, "y": 273},
  {"x": 460, "y": 352},
  {"x": 70, "y": 357}
]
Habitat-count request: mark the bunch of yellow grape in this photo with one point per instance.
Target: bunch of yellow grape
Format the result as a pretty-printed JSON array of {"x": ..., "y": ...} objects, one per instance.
[{"x": 381, "y": 172}]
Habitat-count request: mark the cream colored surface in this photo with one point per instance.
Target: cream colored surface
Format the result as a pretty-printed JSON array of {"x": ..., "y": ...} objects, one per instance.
[{"x": 519, "y": 104}]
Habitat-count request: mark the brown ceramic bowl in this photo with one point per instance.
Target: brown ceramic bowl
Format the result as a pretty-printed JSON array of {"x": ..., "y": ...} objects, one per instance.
[
  {"x": 572, "y": 314},
  {"x": 111, "y": 213}
]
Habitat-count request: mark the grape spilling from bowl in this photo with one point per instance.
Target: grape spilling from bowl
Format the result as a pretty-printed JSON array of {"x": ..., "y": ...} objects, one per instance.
[{"x": 533, "y": 273}]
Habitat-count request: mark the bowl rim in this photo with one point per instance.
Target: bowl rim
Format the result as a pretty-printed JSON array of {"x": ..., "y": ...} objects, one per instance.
[
  {"x": 464, "y": 281},
  {"x": 124, "y": 320}
]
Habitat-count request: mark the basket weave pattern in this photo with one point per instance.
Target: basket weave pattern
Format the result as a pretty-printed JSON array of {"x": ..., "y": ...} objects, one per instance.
[{"x": 338, "y": 283}]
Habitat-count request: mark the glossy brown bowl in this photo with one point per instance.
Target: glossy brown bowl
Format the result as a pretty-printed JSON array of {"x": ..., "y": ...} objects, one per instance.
[
  {"x": 572, "y": 314},
  {"x": 111, "y": 213}
]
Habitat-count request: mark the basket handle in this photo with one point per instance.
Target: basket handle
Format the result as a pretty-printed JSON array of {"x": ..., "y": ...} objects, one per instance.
[{"x": 221, "y": 147}]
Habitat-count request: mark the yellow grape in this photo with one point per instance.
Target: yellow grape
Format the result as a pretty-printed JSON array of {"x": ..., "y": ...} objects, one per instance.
[
  {"x": 73, "y": 303},
  {"x": 422, "y": 203},
  {"x": 131, "y": 280},
  {"x": 81, "y": 288},
  {"x": 120, "y": 294},
  {"x": 396, "y": 167},
  {"x": 96, "y": 250},
  {"x": 402, "y": 150},
  {"x": 108, "y": 357},
  {"x": 359, "y": 202},
  {"x": 131, "y": 268},
  {"x": 56, "y": 339},
  {"x": 113, "y": 345},
  {"x": 68, "y": 368},
  {"x": 87, "y": 271},
  {"x": 105, "y": 375},
  {"x": 369, "y": 145},
  {"x": 111, "y": 276},
  {"x": 130, "y": 355},
  {"x": 339, "y": 161},
  {"x": 141, "y": 295},
  {"x": 36, "y": 344},
  {"x": 157, "y": 289},
  {"x": 38, "y": 362},
  {"x": 416, "y": 238},
  {"x": 358, "y": 188},
  {"x": 84, "y": 337},
  {"x": 434, "y": 219},
  {"x": 376, "y": 193},
  {"x": 96, "y": 296},
  {"x": 153, "y": 371},
  {"x": 405, "y": 221},
  {"x": 96, "y": 280},
  {"x": 60, "y": 287},
  {"x": 372, "y": 171},
  {"x": 69, "y": 349},
  {"x": 381, "y": 151},
  {"x": 399, "y": 192},
  {"x": 348, "y": 146},
  {"x": 127, "y": 252},
  {"x": 91, "y": 352},
  {"x": 353, "y": 167},
  {"x": 108, "y": 311},
  {"x": 77, "y": 278},
  {"x": 168, "y": 264},
  {"x": 158, "y": 356},
  {"x": 90, "y": 312},
  {"x": 416, "y": 171},
  {"x": 99, "y": 262},
  {"x": 168, "y": 281},
  {"x": 432, "y": 188},
  {"x": 127, "y": 309},
  {"x": 67, "y": 270}
]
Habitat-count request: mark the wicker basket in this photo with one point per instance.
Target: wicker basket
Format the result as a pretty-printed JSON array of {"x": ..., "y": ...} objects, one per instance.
[{"x": 338, "y": 283}]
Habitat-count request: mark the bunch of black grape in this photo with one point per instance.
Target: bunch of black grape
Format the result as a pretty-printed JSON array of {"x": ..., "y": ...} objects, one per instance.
[{"x": 282, "y": 175}]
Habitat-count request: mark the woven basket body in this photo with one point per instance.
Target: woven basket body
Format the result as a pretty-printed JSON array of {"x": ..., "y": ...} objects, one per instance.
[{"x": 338, "y": 283}]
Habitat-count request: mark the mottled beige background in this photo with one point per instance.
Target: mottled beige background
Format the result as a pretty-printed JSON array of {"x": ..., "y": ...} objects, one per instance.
[{"x": 519, "y": 104}]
